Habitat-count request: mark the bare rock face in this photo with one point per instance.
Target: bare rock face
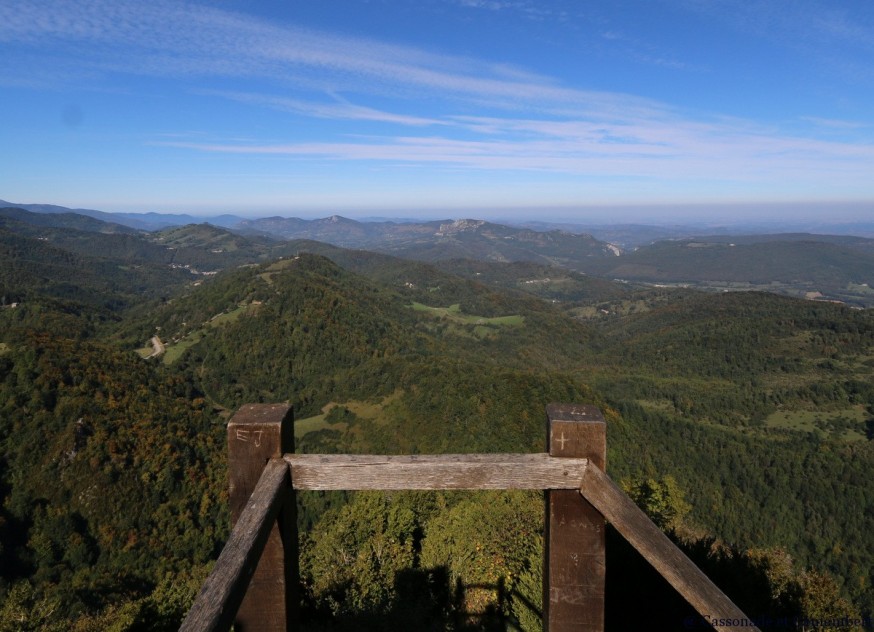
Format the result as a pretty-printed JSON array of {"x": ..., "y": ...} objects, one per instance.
[{"x": 460, "y": 226}]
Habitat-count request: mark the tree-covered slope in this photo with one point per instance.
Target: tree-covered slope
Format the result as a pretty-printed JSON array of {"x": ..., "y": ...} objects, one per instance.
[
  {"x": 440, "y": 240},
  {"x": 208, "y": 247},
  {"x": 823, "y": 267},
  {"x": 312, "y": 332},
  {"x": 701, "y": 372},
  {"x": 197, "y": 247},
  {"x": 112, "y": 480},
  {"x": 73, "y": 221},
  {"x": 35, "y": 267},
  {"x": 759, "y": 262},
  {"x": 763, "y": 408},
  {"x": 753, "y": 407}
]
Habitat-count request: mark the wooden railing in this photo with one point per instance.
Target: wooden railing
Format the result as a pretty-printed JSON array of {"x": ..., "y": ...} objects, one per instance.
[{"x": 255, "y": 580}]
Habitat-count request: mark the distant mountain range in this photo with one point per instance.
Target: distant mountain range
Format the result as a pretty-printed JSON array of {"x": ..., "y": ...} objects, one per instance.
[
  {"x": 138, "y": 221},
  {"x": 440, "y": 240},
  {"x": 823, "y": 267},
  {"x": 122, "y": 352},
  {"x": 627, "y": 236}
]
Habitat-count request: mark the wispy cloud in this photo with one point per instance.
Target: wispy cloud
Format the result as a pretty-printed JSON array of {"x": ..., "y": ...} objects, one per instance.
[
  {"x": 533, "y": 10},
  {"x": 340, "y": 109},
  {"x": 646, "y": 53},
  {"x": 835, "y": 123},
  {"x": 646, "y": 149},
  {"x": 491, "y": 5},
  {"x": 528, "y": 122},
  {"x": 807, "y": 25},
  {"x": 172, "y": 39}
]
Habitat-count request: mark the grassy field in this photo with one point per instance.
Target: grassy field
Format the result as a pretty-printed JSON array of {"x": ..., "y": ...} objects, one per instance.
[
  {"x": 470, "y": 325},
  {"x": 362, "y": 409},
  {"x": 229, "y": 317},
  {"x": 618, "y": 308},
  {"x": 859, "y": 295},
  {"x": 317, "y": 422},
  {"x": 482, "y": 326},
  {"x": 174, "y": 350},
  {"x": 280, "y": 265},
  {"x": 863, "y": 289},
  {"x": 847, "y": 424},
  {"x": 663, "y": 405}
]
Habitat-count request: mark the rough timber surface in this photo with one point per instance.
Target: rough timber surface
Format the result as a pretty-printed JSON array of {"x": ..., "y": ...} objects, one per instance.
[
  {"x": 424, "y": 472},
  {"x": 574, "y": 564},
  {"x": 257, "y": 433}
]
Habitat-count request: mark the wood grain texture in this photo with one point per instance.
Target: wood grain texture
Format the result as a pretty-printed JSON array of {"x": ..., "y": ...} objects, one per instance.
[
  {"x": 574, "y": 567},
  {"x": 443, "y": 471},
  {"x": 220, "y": 597},
  {"x": 634, "y": 525},
  {"x": 579, "y": 496},
  {"x": 256, "y": 434}
]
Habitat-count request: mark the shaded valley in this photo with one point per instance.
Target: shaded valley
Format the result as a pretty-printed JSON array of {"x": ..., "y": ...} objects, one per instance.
[{"x": 742, "y": 421}]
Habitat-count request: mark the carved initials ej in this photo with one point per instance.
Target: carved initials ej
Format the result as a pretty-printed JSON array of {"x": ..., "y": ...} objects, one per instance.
[{"x": 244, "y": 435}]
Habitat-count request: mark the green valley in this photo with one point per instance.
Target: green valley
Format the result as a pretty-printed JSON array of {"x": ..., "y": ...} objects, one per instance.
[{"x": 742, "y": 421}]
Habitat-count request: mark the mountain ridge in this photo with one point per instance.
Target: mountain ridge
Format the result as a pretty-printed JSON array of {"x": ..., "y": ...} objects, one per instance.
[
  {"x": 734, "y": 396},
  {"x": 818, "y": 267}
]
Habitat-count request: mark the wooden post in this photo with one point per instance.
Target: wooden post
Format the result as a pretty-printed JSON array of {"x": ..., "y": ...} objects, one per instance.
[
  {"x": 257, "y": 433},
  {"x": 573, "y": 556}
]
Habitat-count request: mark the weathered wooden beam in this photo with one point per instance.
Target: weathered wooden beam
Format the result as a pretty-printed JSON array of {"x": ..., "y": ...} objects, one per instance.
[
  {"x": 443, "y": 471},
  {"x": 220, "y": 596},
  {"x": 256, "y": 434},
  {"x": 574, "y": 568},
  {"x": 634, "y": 525}
]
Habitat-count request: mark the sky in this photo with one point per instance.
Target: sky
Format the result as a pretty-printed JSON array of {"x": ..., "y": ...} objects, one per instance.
[{"x": 549, "y": 109}]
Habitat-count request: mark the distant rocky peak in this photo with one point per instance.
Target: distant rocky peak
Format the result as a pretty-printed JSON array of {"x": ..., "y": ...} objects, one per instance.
[{"x": 460, "y": 225}]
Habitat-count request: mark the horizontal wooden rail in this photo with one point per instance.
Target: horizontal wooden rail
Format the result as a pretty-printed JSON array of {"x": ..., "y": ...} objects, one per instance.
[
  {"x": 636, "y": 527},
  {"x": 443, "y": 471},
  {"x": 221, "y": 594},
  {"x": 579, "y": 496}
]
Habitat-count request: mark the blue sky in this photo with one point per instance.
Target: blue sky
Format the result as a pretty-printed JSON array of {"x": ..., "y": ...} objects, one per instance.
[{"x": 439, "y": 108}]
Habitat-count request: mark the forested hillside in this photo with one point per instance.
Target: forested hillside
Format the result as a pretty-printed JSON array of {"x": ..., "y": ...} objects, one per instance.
[
  {"x": 439, "y": 240},
  {"x": 741, "y": 422},
  {"x": 822, "y": 266}
]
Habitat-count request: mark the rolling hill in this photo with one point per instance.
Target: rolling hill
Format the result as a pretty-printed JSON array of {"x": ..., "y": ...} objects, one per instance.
[
  {"x": 136, "y": 221},
  {"x": 434, "y": 241},
  {"x": 819, "y": 267},
  {"x": 828, "y": 268},
  {"x": 728, "y": 400}
]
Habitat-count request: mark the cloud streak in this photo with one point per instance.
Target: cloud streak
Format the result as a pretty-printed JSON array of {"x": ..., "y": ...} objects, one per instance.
[
  {"x": 719, "y": 152},
  {"x": 340, "y": 109},
  {"x": 810, "y": 25},
  {"x": 166, "y": 38},
  {"x": 528, "y": 122}
]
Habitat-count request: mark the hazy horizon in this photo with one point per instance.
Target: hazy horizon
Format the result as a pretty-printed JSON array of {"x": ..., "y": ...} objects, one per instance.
[{"x": 782, "y": 217}]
